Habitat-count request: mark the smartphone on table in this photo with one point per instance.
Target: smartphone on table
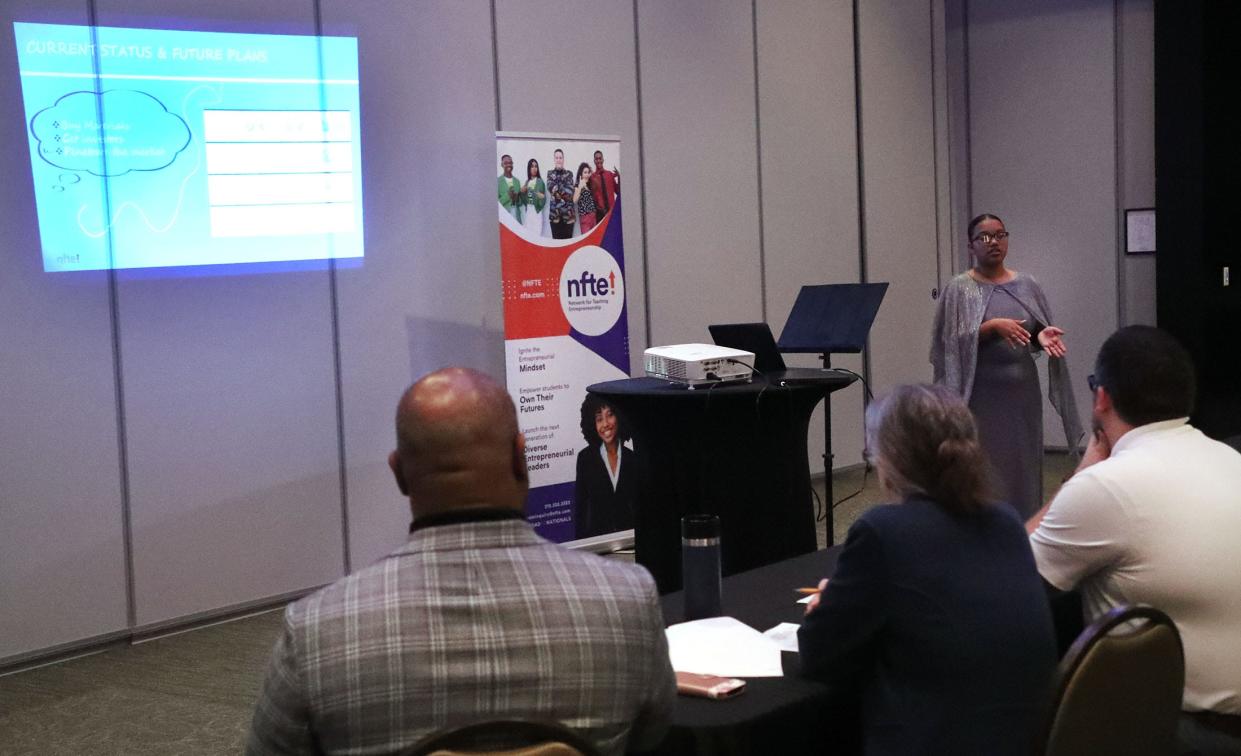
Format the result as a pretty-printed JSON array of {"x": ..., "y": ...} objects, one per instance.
[{"x": 709, "y": 686}]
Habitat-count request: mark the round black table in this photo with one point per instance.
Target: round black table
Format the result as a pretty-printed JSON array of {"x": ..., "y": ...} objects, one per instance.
[
  {"x": 776, "y": 715},
  {"x": 735, "y": 450}
]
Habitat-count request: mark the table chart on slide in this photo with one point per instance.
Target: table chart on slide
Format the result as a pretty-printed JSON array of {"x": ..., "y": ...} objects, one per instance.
[{"x": 277, "y": 172}]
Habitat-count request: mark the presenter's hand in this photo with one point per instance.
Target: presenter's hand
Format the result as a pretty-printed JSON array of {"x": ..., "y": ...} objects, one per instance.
[
  {"x": 1051, "y": 339},
  {"x": 813, "y": 603},
  {"x": 1008, "y": 329}
]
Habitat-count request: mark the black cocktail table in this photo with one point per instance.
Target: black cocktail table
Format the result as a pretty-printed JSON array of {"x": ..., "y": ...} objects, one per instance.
[{"x": 734, "y": 450}]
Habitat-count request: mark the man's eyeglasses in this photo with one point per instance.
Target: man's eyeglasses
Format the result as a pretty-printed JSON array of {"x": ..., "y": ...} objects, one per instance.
[
  {"x": 1094, "y": 384},
  {"x": 987, "y": 238}
]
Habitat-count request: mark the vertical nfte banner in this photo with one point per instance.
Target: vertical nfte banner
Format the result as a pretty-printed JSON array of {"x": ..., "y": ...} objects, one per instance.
[{"x": 562, "y": 263}]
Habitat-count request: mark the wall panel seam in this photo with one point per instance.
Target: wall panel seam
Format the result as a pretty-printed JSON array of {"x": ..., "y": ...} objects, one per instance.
[
  {"x": 495, "y": 64},
  {"x": 118, "y": 373},
  {"x": 646, "y": 269},
  {"x": 342, "y": 470},
  {"x": 861, "y": 176},
  {"x": 1122, "y": 201},
  {"x": 758, "y": 152},
  {"x": 969, "y": 128},
  {"x": 861, "y": 160},
  {"x": 939, "y": 271}
]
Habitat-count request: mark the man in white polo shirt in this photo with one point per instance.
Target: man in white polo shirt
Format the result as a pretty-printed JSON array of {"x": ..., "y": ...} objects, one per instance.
[{"x": 1153, "y": 516}]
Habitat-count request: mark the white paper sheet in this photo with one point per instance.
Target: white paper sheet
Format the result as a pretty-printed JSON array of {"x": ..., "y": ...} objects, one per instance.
[
  {"x": 723, "y": 646},
  {"x": 806, "y": 599},
  {"x": 784, "y": 635}
]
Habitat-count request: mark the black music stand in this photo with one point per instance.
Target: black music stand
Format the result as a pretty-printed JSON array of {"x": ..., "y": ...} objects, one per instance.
[{"x": 831, "y": 319}]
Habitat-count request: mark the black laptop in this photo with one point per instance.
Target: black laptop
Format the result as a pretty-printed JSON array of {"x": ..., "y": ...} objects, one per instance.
[
  {"x": 757, "y": 338},
  {"x": 751, "y": 337}
]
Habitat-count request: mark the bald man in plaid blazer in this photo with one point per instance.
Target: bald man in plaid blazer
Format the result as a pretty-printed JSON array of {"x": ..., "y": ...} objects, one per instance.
[{"x": 475, "y": 618}]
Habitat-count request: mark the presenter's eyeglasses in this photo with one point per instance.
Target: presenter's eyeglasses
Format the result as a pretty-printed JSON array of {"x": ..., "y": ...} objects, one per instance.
[{"x": 987, "y": 238}]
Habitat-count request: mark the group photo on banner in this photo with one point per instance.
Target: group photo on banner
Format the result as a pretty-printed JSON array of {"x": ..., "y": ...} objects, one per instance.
[{"x": 562, "y": 261}]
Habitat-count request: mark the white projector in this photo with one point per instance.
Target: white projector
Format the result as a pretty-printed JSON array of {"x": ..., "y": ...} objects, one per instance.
[{"x": 698, "y": 364}]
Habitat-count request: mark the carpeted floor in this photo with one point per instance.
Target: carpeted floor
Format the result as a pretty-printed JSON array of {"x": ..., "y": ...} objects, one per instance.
[
  {"x": 193, "y": 692},
  {"x": 190, "y": 693}
]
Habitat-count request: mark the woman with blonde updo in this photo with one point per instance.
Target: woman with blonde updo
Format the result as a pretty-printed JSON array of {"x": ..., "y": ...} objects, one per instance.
[{"x": 935, "y": 617}]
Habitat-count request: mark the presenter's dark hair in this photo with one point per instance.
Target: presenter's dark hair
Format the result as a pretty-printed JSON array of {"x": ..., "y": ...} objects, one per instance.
[
  {"x": 926, "y": 444},
  {"x": 580, "y": 168},
  {"x": 1148, "y": 375},
  {"x": 590, "y": 407},
  {"x": 969, "y": 231},
  {"x": 532, "y": 163}
]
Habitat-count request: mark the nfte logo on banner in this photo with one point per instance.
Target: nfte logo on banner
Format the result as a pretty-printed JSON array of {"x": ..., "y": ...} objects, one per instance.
[{"x": 592, "y": 290}]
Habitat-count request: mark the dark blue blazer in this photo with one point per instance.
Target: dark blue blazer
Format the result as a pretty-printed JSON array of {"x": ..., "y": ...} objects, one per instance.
[{"x": 940, "y": 623}]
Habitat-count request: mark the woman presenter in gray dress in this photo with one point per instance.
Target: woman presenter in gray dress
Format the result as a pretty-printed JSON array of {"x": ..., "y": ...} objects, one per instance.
[{"x": 990, "y": 323}]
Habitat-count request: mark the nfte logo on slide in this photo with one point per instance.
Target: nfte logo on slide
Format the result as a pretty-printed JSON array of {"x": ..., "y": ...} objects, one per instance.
[{"x": 592, "y": 290}]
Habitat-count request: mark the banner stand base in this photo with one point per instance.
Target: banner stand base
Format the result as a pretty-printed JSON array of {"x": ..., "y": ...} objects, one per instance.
[{"x": 604, "y": 544}]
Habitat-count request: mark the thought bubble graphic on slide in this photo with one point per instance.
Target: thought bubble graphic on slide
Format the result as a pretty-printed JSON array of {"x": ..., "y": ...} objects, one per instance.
[
  {"x": 137, "y": 134},
  {"x": 66, "y": 179}
]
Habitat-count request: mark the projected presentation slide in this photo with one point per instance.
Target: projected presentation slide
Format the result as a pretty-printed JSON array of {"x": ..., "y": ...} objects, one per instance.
[{"x": 153, "y": 148}]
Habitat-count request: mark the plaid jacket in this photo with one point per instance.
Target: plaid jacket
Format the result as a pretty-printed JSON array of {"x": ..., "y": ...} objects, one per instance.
[{"x": 468, "y": 621}]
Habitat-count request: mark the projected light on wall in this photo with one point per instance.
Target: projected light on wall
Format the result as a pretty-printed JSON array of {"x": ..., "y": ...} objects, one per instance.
[{"x": 155, "y": 148}]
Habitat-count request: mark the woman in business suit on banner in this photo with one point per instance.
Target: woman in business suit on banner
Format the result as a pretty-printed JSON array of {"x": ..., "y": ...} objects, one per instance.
[{"x": 609, "y": 473}]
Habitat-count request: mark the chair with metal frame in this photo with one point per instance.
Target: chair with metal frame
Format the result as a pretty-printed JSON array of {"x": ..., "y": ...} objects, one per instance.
[
  {"x": 507, "y": 737},
  {"x": 1119, "y": 688}
]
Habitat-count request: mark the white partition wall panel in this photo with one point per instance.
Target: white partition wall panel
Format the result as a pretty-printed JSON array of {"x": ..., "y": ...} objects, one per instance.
[
  {"x": 899, "y": 169},
  {"x": 809, "y": 169},
  {"x": 1136, "y": 27},
  {"x": 956, "y": 101},
  {"x": 428, "y": 294},
  {"x": 945, "y": 49},
  {"x": 583, "y": 51},
  {"x": 62, "y": 556},
  {"x": 230, "y": 406},
  {"x": 1042, "y": 112},
  {"x": 700, "y": 157},
  {"x": 231, "y": 429}
]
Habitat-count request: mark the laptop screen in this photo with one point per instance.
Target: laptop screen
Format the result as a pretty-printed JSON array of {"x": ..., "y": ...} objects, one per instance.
[{"x": 752, "y": 337}]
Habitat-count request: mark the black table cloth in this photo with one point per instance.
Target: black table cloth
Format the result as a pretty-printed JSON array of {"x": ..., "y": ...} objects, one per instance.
[
  {"x": 776, "y": 715},
  {"x": 735, "y": 450}
]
